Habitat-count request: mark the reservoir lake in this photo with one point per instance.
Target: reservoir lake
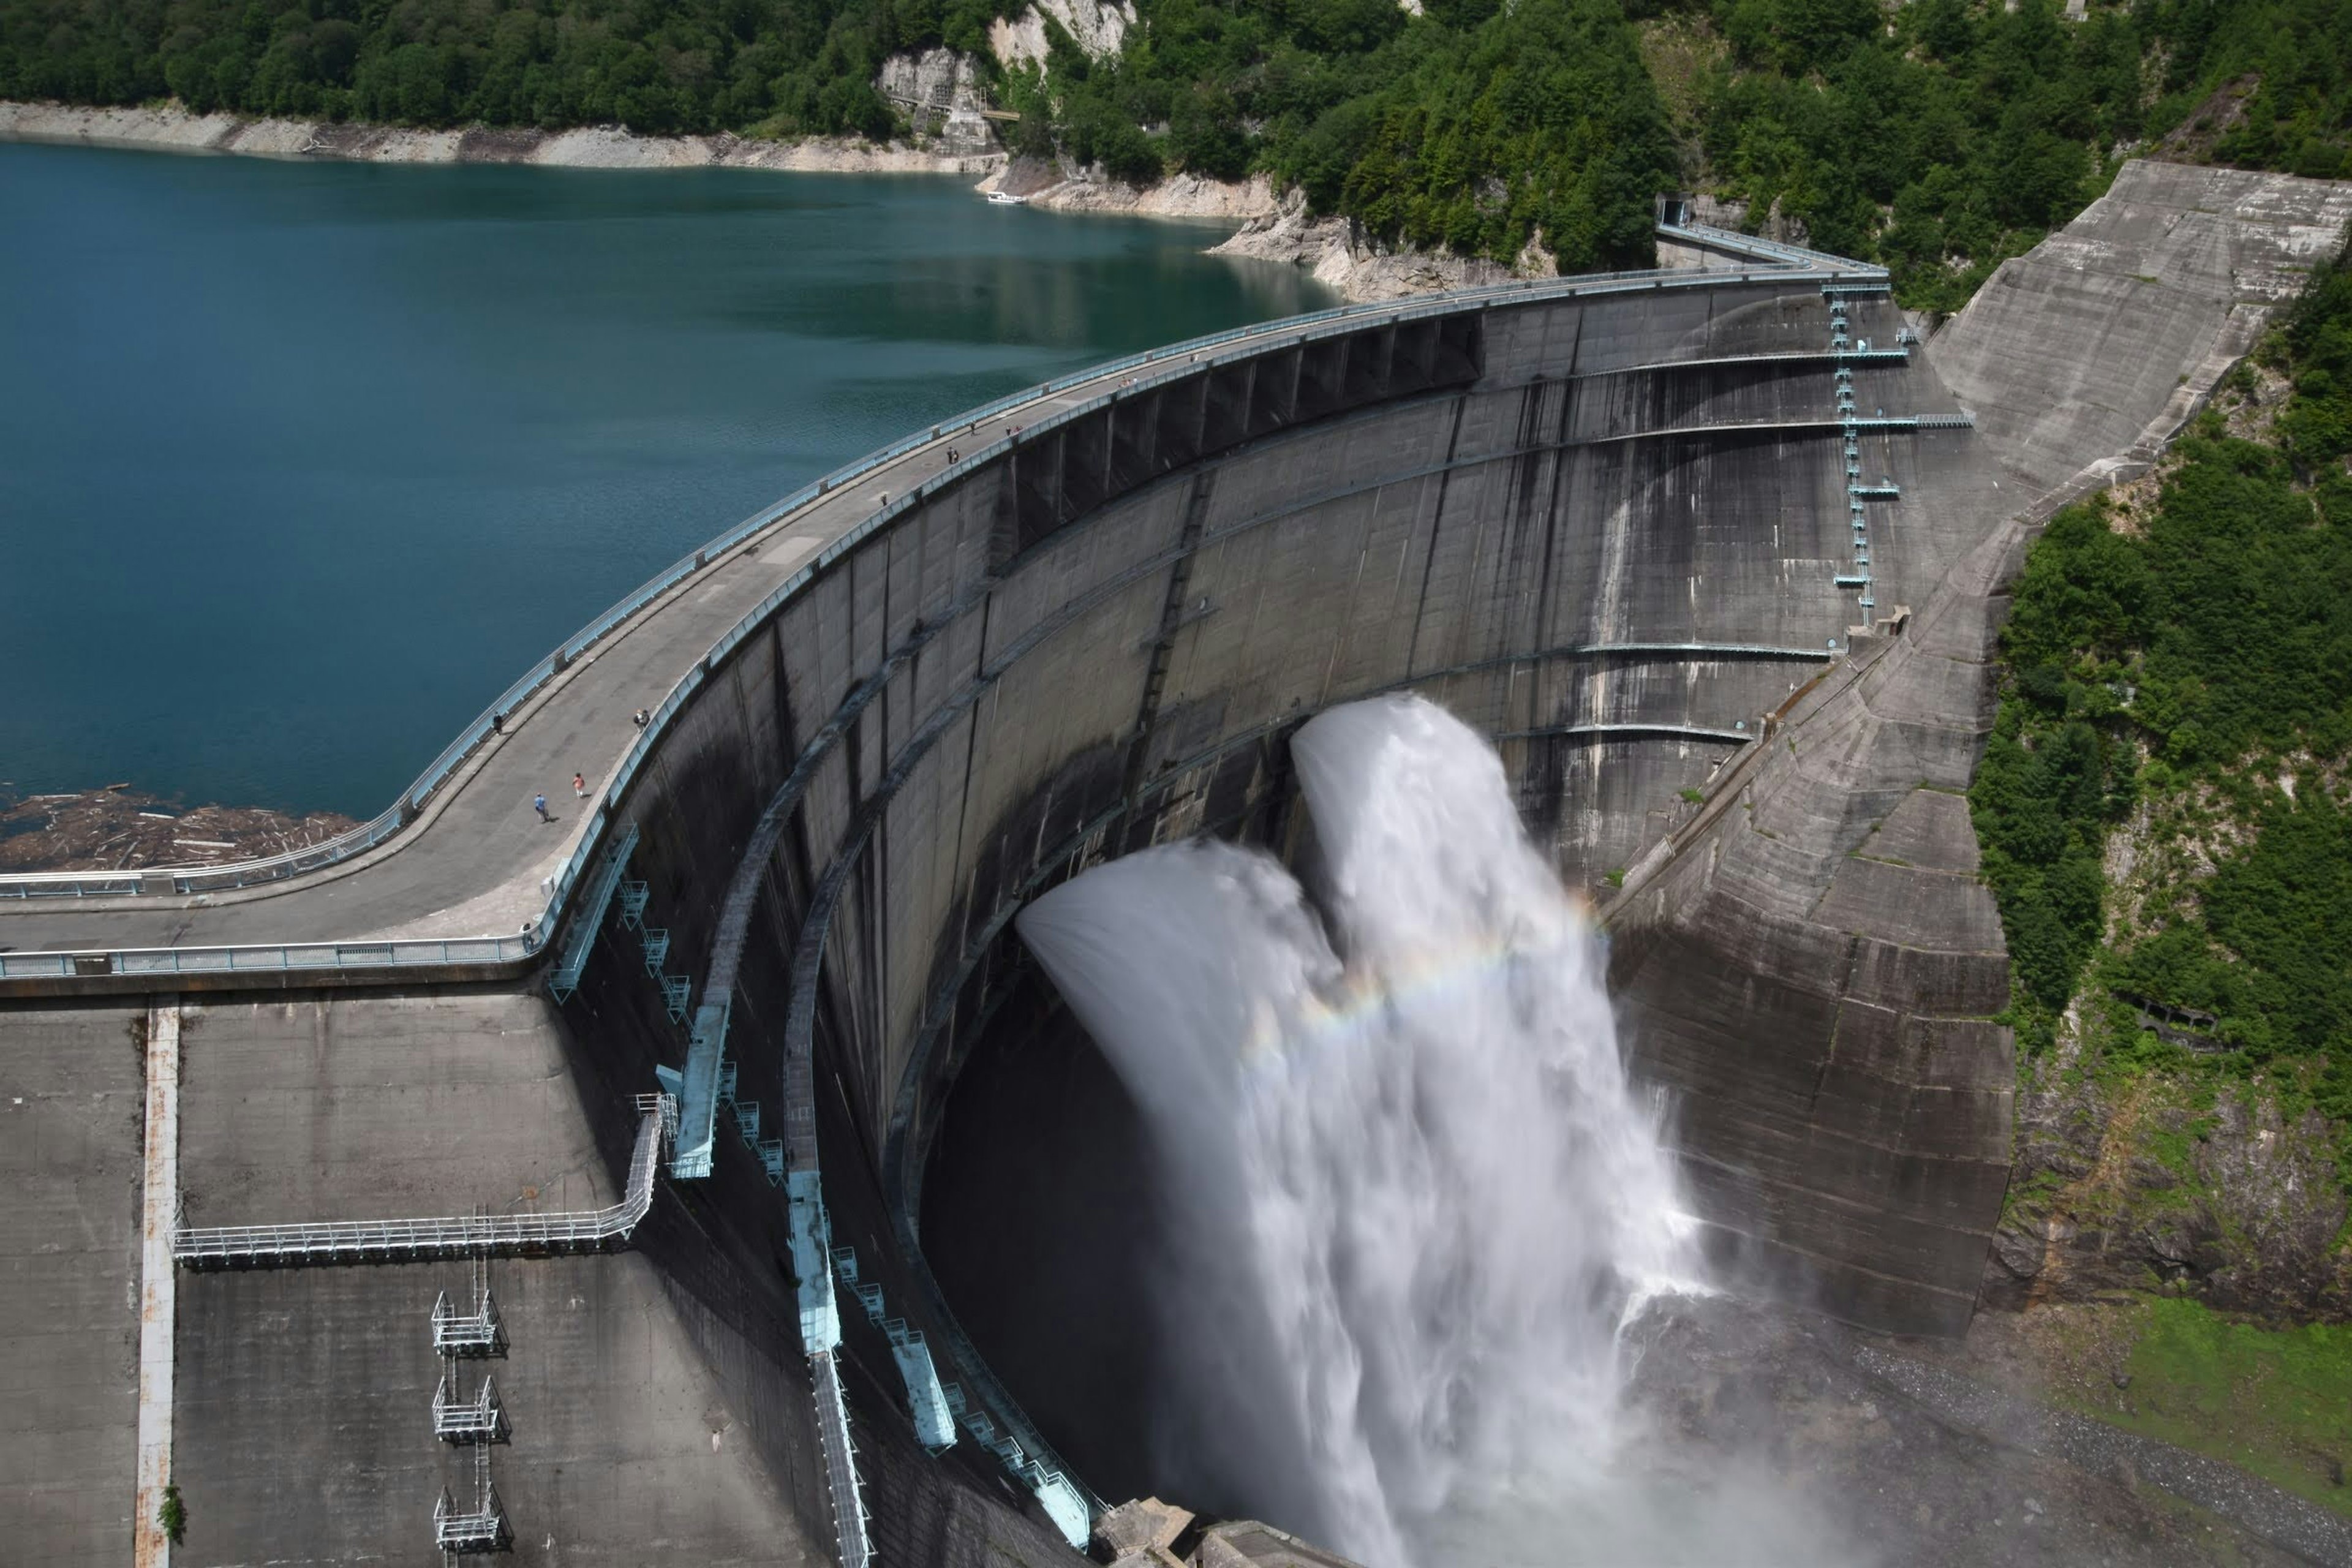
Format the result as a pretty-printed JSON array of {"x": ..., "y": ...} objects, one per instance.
[{"x": 302, "y": 463}]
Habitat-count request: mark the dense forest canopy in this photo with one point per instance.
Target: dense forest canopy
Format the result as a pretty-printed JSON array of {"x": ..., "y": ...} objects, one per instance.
[
  {"x": 2182, "y": 671},
  {"x": 1939, "y": 136}
]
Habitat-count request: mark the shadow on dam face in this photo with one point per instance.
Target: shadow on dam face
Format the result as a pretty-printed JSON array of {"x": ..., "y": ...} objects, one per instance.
[
  {"x": 1043, "y": 1212},
  {"x": 1040, "y": 1220}
]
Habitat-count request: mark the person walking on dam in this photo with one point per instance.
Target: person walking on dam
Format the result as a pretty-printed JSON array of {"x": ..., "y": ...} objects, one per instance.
[
  {"x": 539, "y": 805},
  {"x": 579, "y": 786}
]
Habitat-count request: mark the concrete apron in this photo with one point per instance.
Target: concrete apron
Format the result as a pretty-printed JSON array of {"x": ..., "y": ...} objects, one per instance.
[{"x": 160, "y": 1202}]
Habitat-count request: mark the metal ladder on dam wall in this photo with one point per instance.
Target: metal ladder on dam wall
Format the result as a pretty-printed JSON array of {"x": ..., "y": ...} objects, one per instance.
[
  {"x": 474, "y": 1332},
  {"x": 328, "y": 1242},
  {"x": 698, "y": 1092},
  {"x": 1860, "y": 491},
  {"x": 937, "y": 1409},
  {"x": 596, "y": 898},
  {"x": 927, "y": 1402},
  {"x": 812, "y": 1240},
  {"x": 476, "y": 1531},
  {"x": 692, "y": 1163}
]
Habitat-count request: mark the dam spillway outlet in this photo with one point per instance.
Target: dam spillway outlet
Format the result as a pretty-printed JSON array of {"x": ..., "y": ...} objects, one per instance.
[{"x": 1403, "y": 1195}]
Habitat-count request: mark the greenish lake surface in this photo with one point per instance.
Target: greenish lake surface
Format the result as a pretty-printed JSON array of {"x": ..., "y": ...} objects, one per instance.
[{"x": 301, "y": 464}]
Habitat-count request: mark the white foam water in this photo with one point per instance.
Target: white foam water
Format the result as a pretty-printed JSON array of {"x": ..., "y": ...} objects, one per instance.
[{"x": 1412, "y": 1199}]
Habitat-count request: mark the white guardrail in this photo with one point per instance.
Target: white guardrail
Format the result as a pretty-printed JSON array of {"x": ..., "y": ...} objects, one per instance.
[
  {"x": 1176, "y": 360},
  {"x": 458, "y": 1235}
]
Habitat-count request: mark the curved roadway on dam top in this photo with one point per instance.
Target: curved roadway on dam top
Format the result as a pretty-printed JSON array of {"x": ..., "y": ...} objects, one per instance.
[{"x": 475, "y": 864}]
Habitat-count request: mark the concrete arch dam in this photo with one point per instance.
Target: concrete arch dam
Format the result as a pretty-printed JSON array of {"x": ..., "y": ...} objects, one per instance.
[{"x": 1713, "y": 554}]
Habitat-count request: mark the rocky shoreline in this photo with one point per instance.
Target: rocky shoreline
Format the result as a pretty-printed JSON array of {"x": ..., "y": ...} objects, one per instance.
[
  {"x": 174, "y": 128},
  {"x": 1274, "y": 225},
  {"x": 1341, "y": 256}
]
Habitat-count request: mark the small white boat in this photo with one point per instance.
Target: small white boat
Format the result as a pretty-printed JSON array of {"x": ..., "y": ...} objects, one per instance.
[{"x": 1005, "y": 199}]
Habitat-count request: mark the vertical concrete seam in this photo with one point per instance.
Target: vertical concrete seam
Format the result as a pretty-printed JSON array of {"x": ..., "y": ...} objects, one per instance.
[
  {"x": 159, "y": 1204},
  {"x": 1437, "y": 525},
  {"x": 1559, "y": 462}
]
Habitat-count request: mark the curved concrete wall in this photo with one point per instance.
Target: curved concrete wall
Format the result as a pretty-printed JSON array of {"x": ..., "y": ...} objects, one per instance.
[
  {"x": 1606, "y": 531},
  {"x": 1593, "y": 517}
]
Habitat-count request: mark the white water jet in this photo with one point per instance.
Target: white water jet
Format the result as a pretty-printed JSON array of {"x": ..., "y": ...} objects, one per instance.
[{"x": 1412, "y": 1196}]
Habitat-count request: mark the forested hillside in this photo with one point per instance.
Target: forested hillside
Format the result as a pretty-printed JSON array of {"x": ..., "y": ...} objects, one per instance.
[
  {"x": 2165, "y": 817},
  {"x": 1939, "y": 136},
  {"x": 1953, "y": 136}
]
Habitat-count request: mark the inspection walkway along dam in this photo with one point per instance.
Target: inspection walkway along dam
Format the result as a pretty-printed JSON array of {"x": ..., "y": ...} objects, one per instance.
[{"x": 486, "y": 1183}]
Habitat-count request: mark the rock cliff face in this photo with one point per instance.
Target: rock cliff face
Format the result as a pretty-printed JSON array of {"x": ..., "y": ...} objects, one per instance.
[
  {"x": 1341, "y": 256},
  {"x": 938, "y": 91},
  {"x": 1099, "y": 29},
  {"x": 2132, "y": 1185},
  {"x": 1275, "y": 226},
  {"x": 1056, "y": 185}
]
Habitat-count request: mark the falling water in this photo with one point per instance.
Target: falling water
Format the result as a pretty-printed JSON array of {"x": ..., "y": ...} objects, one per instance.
[{"x": 1412, "y": 1197}]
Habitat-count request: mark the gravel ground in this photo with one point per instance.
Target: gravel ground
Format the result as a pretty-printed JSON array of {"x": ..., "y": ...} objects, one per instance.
[
  {"x": 2279, "y": 1517},
  {"x": 1865, "y": 1455}
]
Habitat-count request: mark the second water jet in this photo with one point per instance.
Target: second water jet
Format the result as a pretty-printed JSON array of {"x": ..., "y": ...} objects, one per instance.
[{"x": 1410, "y": 1196}]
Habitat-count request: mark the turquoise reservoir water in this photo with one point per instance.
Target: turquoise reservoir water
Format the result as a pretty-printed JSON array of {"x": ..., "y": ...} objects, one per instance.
[{"x": 301, "y": 464}]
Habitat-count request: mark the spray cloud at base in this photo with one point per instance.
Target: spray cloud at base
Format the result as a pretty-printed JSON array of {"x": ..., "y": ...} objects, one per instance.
[{"x": 1411, "y": 1198}]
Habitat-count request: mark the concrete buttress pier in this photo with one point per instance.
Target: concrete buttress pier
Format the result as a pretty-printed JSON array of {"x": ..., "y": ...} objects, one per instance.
[{"x": 1728, "y": 530}]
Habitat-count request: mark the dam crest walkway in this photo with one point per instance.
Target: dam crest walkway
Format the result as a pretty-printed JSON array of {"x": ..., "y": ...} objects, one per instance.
[{"x": 459, "y": 875}]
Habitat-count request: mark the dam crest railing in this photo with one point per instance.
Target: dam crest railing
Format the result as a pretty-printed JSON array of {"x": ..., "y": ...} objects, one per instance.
[{"x": 1773, "y": 259}]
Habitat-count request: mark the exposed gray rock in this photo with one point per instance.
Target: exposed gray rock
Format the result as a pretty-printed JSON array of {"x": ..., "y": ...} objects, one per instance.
[
  {"x": 1138, "y": 1528},
  {"x": 1342, "y": 255},
  {"x": 938, "y": 91},
  {"x": 582, "y": 147},
  {"x": 2251, "y": 1223},
  {"x": 1885, "y": 1457},
  {"x": 1096, "y": 27}
]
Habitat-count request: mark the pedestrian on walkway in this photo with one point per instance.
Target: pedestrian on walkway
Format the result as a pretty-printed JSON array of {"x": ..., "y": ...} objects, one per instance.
[
  {"x": 539, "y": 805},
  {"x": 579, "y": 786},
  {"x": 641, "y": 718},
  {"x": 497, "y": 724}
]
